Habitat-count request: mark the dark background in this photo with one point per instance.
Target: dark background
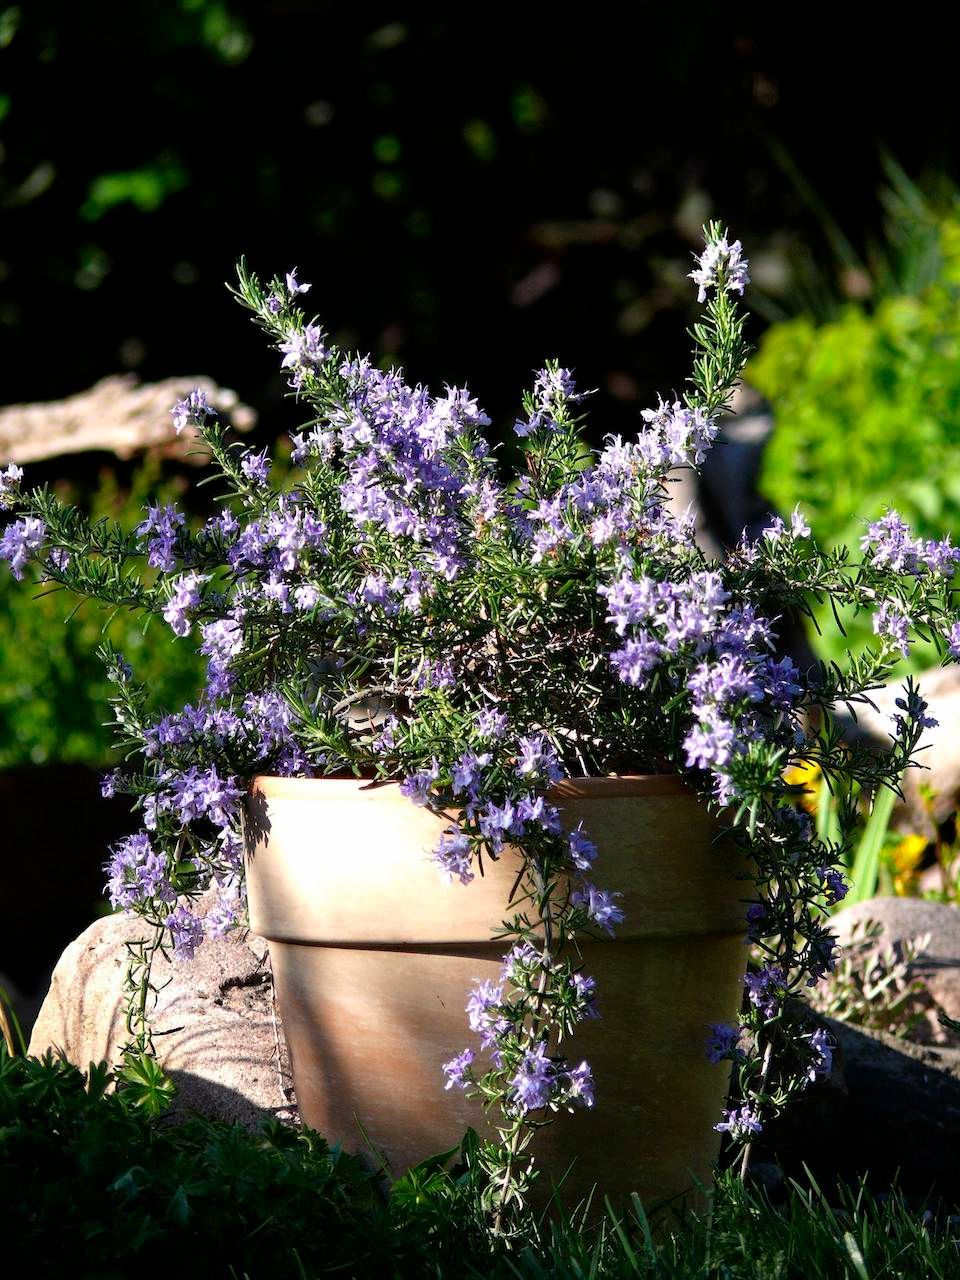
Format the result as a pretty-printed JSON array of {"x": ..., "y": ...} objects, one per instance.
[{"x": 468, "y": 194}]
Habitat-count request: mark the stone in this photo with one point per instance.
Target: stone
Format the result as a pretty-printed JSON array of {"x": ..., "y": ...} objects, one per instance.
[
  {"x": 216, "y": 1028},
  {"x": 904, "y": 918},
  {"x": 891, "y": 1110},
  {"x": 938, "y": 749},
  {"x": 118, "y": 415}
]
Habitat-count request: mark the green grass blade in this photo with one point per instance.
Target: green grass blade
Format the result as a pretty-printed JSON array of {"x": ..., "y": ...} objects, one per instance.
[
  {"x": 866, "y": 865},
  {"x": 828, "y": 828},
  {"x": 11, "y": 1031},
  {"x": 855, "y": 1256}
]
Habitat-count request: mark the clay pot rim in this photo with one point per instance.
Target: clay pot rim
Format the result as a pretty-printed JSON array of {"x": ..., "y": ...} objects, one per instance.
[{"x": 574, "y": 788}]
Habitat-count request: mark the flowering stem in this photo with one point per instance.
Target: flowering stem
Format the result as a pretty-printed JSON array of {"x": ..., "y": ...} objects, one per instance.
[{"x": 764, "y": 1074}]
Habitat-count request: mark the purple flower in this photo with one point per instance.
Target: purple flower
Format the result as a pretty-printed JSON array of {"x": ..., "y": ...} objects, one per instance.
[
  {"x": 256, "y": 467},
  {"x": 302, "y": 349},
  {"x": 721, "y": 265},
  {"x": 10, "y": 485},
  {"x": 533, "y": 808},
  {"x": 835, "y": 887},
  {"x": 186, "y": 932},
  {"x": 454, "y": 855},
  {"x": 163, "y": 522},
  {"x": 537, "y": 756},
  {"x": 205, "y": 794},
  {"x": 890, "y": 623},
  {"x": 522, "y": 956},
  {"x": 457, "y": 1070},
  {"x": 821, "y": 1047},
  {"x": 780, "y": 681},
  {"x": 766, "y": 989},
  {"x": 676, "y": 435},
  {"x": 636, "y": 659},
  {"x": 941, "y": 557},
  {"x": 191, "y": 410},
  {"x": 710, "y": 745},
  {"x": 293, "y": 285},
  {"x": 953, "y": 639},
  {"x": 798, "y": 525},
  {"x": 599, "y": 905},
  {"x": 186, "y": 595},
  {"x": 108, "y": 784},
  {"x": 579, "y": 1085},
  {"x": 305, "y": 596},
  {"x": 468, "y": 770},
  {"x": 722, "y": 1042},
  {"x": 756, "y": 919},
  {"x": 19, "y": 540},
  {"x": 491, "y": 724},
  {"x": 915, "y": 707},
  {"x": 223, "y": 916},
  {"x": 890, "y": 544},
  {"x": 418, "y": 785},
  {"x": 585, "y": 989},
  {"x": 728, "y": 680},
  {"x": 496, "y": 821},
  {"x": 820, "y": 955},
  {"x": 533, "y": 1083},
  {"x": 222, "y": 640},
  {"x": 436, "y": 675},
  {"x": 136, "y": 872},
  {"x": 484, "y": 1012},
  {"x": 739, "y": 1123},
  {"x": 582, "y": 851}
]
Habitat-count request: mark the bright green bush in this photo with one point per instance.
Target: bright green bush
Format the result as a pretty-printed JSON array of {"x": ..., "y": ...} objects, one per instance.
[
  {"x": 54, "y": 695},
  {"x": 867, "y": 409},
  {"x": 91, "y": 1186}
]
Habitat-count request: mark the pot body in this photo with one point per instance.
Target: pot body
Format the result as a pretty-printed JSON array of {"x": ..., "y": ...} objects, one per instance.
[{"x": 374, "y": 956}]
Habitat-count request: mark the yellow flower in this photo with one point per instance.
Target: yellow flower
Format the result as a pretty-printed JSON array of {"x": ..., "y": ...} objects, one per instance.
[
  {"x": 806, "y": 774},
  {"x": 903, "y": 860}
]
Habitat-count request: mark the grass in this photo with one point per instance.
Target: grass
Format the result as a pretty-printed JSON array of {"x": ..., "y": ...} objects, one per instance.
[
  {"x": 92, "y": 1186},
  {"x": 864, "y": 1237}
]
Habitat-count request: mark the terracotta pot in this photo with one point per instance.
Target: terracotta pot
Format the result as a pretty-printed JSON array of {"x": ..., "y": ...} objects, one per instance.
[{"x": 374, "y": 956}]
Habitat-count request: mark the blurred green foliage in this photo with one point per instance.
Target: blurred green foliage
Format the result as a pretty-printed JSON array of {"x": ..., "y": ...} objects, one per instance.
[
  {"x": 53, "y": 692},
  {"x": 866, "y": 403}
]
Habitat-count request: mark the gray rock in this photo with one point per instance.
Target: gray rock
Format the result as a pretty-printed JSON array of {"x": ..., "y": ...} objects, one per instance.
[
  {"x": 119, "y": 414},
  {"x": 891, "y": 1110},
  {"x": 903, "y": 918},
  {"x": 939, "y": 747},
  {"x": 216, "y": 1028}
]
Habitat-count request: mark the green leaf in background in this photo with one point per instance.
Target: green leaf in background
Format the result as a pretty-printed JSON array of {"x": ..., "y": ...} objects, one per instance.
[
  {"x": 865, "y": 872},
  {"x": 866, "y": 402}
]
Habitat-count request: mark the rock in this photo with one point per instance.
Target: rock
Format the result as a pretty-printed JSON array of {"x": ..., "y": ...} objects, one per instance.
[
  {"x": 118, "y": 415},
  {"x": 939, "y": 748},
  {"x": 891, "y": 1110},
  {"x": 769, "y": 1178},
  {"x": 904, "y": 918},
  {"x": 215, "y": 1024}
]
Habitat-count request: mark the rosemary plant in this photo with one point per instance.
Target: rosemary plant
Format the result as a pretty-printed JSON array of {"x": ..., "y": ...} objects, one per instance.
[{"x": 402, "y": 609}]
